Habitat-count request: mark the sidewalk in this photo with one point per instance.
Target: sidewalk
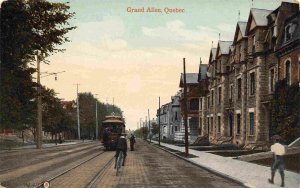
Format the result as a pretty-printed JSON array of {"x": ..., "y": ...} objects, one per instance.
[{"x": 249, "y": 174}]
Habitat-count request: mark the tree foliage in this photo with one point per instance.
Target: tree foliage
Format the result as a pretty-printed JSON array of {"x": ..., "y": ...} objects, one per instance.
[
  {"x": 26, "y": 26},
  {"x": 286, "y": 111},
  {"x": 87, "y": 111},
  {"x": 55, "y": 117}
]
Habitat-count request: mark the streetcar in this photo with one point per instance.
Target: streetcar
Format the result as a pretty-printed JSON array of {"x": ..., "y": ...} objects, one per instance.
[{"x": 112, "y": 127}]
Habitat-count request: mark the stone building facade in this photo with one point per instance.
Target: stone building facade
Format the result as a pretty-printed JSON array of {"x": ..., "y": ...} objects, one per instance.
[{"x": 242, "y": 76}]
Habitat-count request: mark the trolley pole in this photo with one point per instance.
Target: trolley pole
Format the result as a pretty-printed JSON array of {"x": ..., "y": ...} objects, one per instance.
[
  {"x": 159, "y": 120},
  {"x": 185, "y": 112},
  {"x": 78, "y": 119},
  {"x": 97, "y": 133},
  {"x": 149, "y": 126},
  {"x": 39, "y": 105}
]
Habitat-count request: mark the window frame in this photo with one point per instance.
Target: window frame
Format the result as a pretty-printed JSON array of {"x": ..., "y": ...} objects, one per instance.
[
  {"x": 219, "y": 124},
  {"x": 238, "y": 123},
  {"x": 239, "y": 88},
  {"x": 252, "y": 84},
  {"x": 220, "y": 95},
  {"x": 251, "y": 123}
]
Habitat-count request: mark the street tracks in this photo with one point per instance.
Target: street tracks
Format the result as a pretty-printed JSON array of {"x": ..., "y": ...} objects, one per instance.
[{"x": 84, "y": 174}]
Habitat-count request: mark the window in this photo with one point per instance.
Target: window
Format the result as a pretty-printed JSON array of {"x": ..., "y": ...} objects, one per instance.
[
  {"x": 253, "y": 43},
  {"x": 208, "y": 101},
  {"x": 272, "y": 80},
  {"x": 200, "y": 126},
  {"x": 208, "y": 125},
  {"x": 212, "y": 124},
  {"x": 238, "y": 123},
  {"x": 176, "y": 117},
  {"x": 227, "y": 69},
  {"x": 219, "y": 124},
  {"x": 251, "y": 115},
  {"x": 288, "y": 72},
  {"x": 252, "y": 83},
  {"x": 212, "y": 97},
  {"x": 220, "y": 94},
  {"x": 288, "y": 33},
  {"x": 200, "y": 105},
  {"x": 231, "y": 93},
  {"x": 194, "y": 104},
  {"x": 239, "y": 84}
]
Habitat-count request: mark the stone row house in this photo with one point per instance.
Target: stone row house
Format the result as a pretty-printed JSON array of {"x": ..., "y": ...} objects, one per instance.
[
  {"x": 169, "y": 118},
  {"x": 242, "y": 73}
]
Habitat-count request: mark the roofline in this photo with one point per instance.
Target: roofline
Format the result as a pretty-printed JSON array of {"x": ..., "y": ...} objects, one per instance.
[{"x": 261, "y": 9}]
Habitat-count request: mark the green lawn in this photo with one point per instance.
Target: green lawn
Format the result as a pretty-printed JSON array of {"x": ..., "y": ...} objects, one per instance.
[
  {"x": 9, "y": 144},
  {"x": 292, "y": 162}
]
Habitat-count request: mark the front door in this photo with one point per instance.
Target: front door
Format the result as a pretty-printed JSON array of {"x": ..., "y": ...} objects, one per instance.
[{"x": 230, "y": 125}]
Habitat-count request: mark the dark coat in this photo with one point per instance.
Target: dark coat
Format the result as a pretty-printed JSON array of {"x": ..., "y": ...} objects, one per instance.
[{"x": 122, "y": 144}]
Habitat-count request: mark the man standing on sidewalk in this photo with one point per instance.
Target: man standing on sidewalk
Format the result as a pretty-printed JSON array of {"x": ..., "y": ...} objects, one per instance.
[{"x": 279, "y": 150}]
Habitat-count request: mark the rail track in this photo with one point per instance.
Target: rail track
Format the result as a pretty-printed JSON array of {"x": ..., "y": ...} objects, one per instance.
[{"x": 90, "y": 184}]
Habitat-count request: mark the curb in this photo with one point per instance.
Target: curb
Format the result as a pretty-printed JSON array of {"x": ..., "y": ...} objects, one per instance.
[{"x": 208, "y": 169}]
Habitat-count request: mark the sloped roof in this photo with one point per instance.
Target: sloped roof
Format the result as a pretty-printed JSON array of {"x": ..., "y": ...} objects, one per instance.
[
  {"x": 260, "y": 16},
  {"x": 212, "y": 55},
  {"x": 214, "y": 52},
  {"x": 191, "y": 78},
  {"x": 202, "y": 71},
  {"x": 242, "y": 26},
  {"x": 224, "y": 47}
]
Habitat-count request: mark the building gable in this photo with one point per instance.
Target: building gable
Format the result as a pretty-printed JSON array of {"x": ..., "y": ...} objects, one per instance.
[{"x": 253, "y": 24}]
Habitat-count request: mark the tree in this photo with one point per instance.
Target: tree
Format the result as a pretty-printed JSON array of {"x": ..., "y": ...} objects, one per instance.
[
  {"x": 26, "y": 26},
  {"x": 155, "y": 128},
  {"x": 55, "y": 118},
  {"x": 87, "y": 103},
  {"x": 286, "y": 111}
]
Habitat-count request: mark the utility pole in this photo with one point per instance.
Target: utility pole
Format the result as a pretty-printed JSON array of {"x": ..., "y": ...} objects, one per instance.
[
  {"x": 185, "y": 112},
  {"x": 39, "y": 104},
  {"x": 78, "y": 119},
  {"x": 149, "y": 126},
  {"x": 96, "y": 117},
  {"x": 159, "y": 120}
]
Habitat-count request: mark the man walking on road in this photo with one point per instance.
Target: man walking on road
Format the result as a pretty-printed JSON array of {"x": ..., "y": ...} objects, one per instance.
[
  {"x": 132, "y": 142},
  {"x": 279, "y": 150}
]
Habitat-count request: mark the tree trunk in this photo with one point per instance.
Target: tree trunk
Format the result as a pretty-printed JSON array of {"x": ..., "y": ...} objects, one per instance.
[
  {"x": 55, "y": 138},
  {"x": 23, "y": 136}
]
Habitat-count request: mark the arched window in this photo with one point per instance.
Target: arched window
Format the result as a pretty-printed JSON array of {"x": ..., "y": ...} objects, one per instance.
[{"x": 288, "y": 72}]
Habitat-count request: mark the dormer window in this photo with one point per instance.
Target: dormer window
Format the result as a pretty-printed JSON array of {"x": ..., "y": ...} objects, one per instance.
[{"x": 288, "y": 34}]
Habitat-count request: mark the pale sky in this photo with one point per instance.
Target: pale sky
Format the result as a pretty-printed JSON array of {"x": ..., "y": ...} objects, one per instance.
[{"x": 136, "y": 57}]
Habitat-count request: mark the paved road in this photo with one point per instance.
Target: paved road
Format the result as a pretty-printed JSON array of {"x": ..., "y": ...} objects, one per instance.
[{"x": 147, "y": 166}]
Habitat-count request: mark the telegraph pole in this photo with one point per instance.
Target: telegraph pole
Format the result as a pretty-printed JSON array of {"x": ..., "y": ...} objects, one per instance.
[
  {"x": 96, "y": 117},
  {"x": 39, "y": 105},
  {"x": 78, "y": 119},
  {"x": 185, "y": 112},
  {"x": 149, "y": 126},
  {"x": 159, "y": 120}
]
